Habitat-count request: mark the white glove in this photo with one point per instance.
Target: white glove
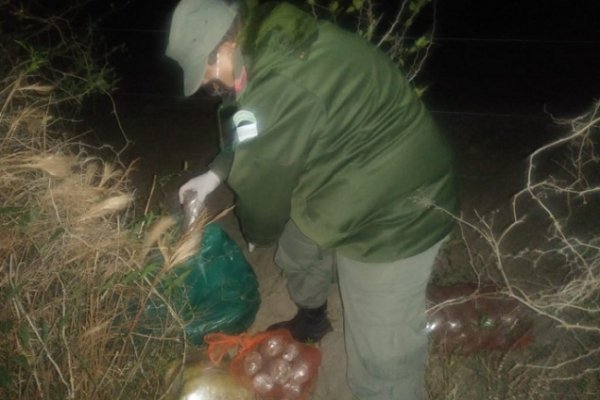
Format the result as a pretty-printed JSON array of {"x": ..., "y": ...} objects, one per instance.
[
  {"x": 251, "y": 247},
  {"x": 203, "y": 185}
]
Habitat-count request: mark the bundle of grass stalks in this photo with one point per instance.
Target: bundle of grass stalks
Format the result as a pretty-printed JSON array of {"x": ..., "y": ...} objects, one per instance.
[{"x": 75, "y": 275}]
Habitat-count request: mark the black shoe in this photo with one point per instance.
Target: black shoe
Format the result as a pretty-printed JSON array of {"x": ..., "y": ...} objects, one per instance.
[{"x": 308, "y": 325}]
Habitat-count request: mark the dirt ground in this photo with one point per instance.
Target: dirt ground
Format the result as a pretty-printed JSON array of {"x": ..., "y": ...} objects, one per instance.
[{"x": 174, "y": 139}]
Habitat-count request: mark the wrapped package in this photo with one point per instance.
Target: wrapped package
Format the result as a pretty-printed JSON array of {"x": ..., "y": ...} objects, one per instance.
[
  {"x": 272, "y": 364},
  {"x": 465, "y": 319},
  {"x": 200, "y": 379},
  {"x": 216, "y": 290}
]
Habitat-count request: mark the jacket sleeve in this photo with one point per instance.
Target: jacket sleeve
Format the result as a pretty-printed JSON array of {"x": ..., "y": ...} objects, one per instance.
[
  {"x": 266, "y": 167},
  {"x": 221, "y": 164}
]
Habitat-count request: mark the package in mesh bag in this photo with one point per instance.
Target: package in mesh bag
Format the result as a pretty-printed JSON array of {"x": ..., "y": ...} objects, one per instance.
[
  {"x": 272, "y": 364},
  {"x": 216, "y": 290},
  {"x": 200, "y": 379},
  {"x": 465, "y": 319}
]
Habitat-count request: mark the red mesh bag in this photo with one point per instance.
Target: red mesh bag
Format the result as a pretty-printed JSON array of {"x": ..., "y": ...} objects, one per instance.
[
  {"x": 272, "y": 364},
  {"x": 476, "y": 319}
]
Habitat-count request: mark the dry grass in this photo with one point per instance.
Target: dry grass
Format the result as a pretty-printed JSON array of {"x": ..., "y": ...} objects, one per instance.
[{"x": 75, "y": 277}]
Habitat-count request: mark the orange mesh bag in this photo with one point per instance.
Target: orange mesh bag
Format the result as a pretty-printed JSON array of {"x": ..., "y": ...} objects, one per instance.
[
  {"x": 272, "y": 364},
  {"x": 476, "y": 319}
]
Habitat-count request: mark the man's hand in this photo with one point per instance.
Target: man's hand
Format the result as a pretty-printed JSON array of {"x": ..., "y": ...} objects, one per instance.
[{"x": 203, "y": 185}]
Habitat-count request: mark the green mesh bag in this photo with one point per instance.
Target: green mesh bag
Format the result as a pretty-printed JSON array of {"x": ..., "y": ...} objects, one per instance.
[{"x": 214, "y": 291}]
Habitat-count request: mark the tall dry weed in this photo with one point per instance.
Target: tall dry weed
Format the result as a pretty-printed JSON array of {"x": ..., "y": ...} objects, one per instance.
[{"x": 75, "y": 277}]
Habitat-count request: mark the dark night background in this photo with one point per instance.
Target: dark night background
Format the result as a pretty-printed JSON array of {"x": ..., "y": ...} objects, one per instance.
[{"x": 489, "y": 56}]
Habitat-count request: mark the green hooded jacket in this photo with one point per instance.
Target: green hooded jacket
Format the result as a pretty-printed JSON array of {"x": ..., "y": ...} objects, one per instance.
[{"x": 341, "y": 144}]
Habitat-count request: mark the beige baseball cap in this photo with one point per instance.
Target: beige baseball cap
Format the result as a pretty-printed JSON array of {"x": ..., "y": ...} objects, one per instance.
[{"x": 197, "y": 27}]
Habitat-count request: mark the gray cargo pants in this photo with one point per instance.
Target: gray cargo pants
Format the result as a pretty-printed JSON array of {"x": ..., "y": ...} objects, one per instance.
[{"x": 384, "y": 312}]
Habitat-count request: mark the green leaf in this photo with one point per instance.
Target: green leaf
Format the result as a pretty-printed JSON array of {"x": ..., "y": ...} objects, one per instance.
[
  {"x": 486, "y": 322},
  {"x": 57, "y": 232},
  {"x": 334, "y": 7},
  {"x": 422, "y": 42},
  {"x": 28, "y": 217},
  {"x": 417, "y": 5},
  {"x": 109, "y": 284},
  {"x": 14, "y": 290},
  {"x": 130, "y": 277},
  {"x": 180, "y": 280},
  {"x": 10, "y": 210},
  {"x": 420, "y": 90},
  {"x": 22, "y": 362},
  {"x": 23, "y": 335},
  {"x": 5, "y": 378},
  {"x": 358, "y": 4},
  {"x": 6, "y": 326},
  {"x": 64, "y": 321},
  {"x": 150, "y": 269},
  {"x": 45, "y": 330}
]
